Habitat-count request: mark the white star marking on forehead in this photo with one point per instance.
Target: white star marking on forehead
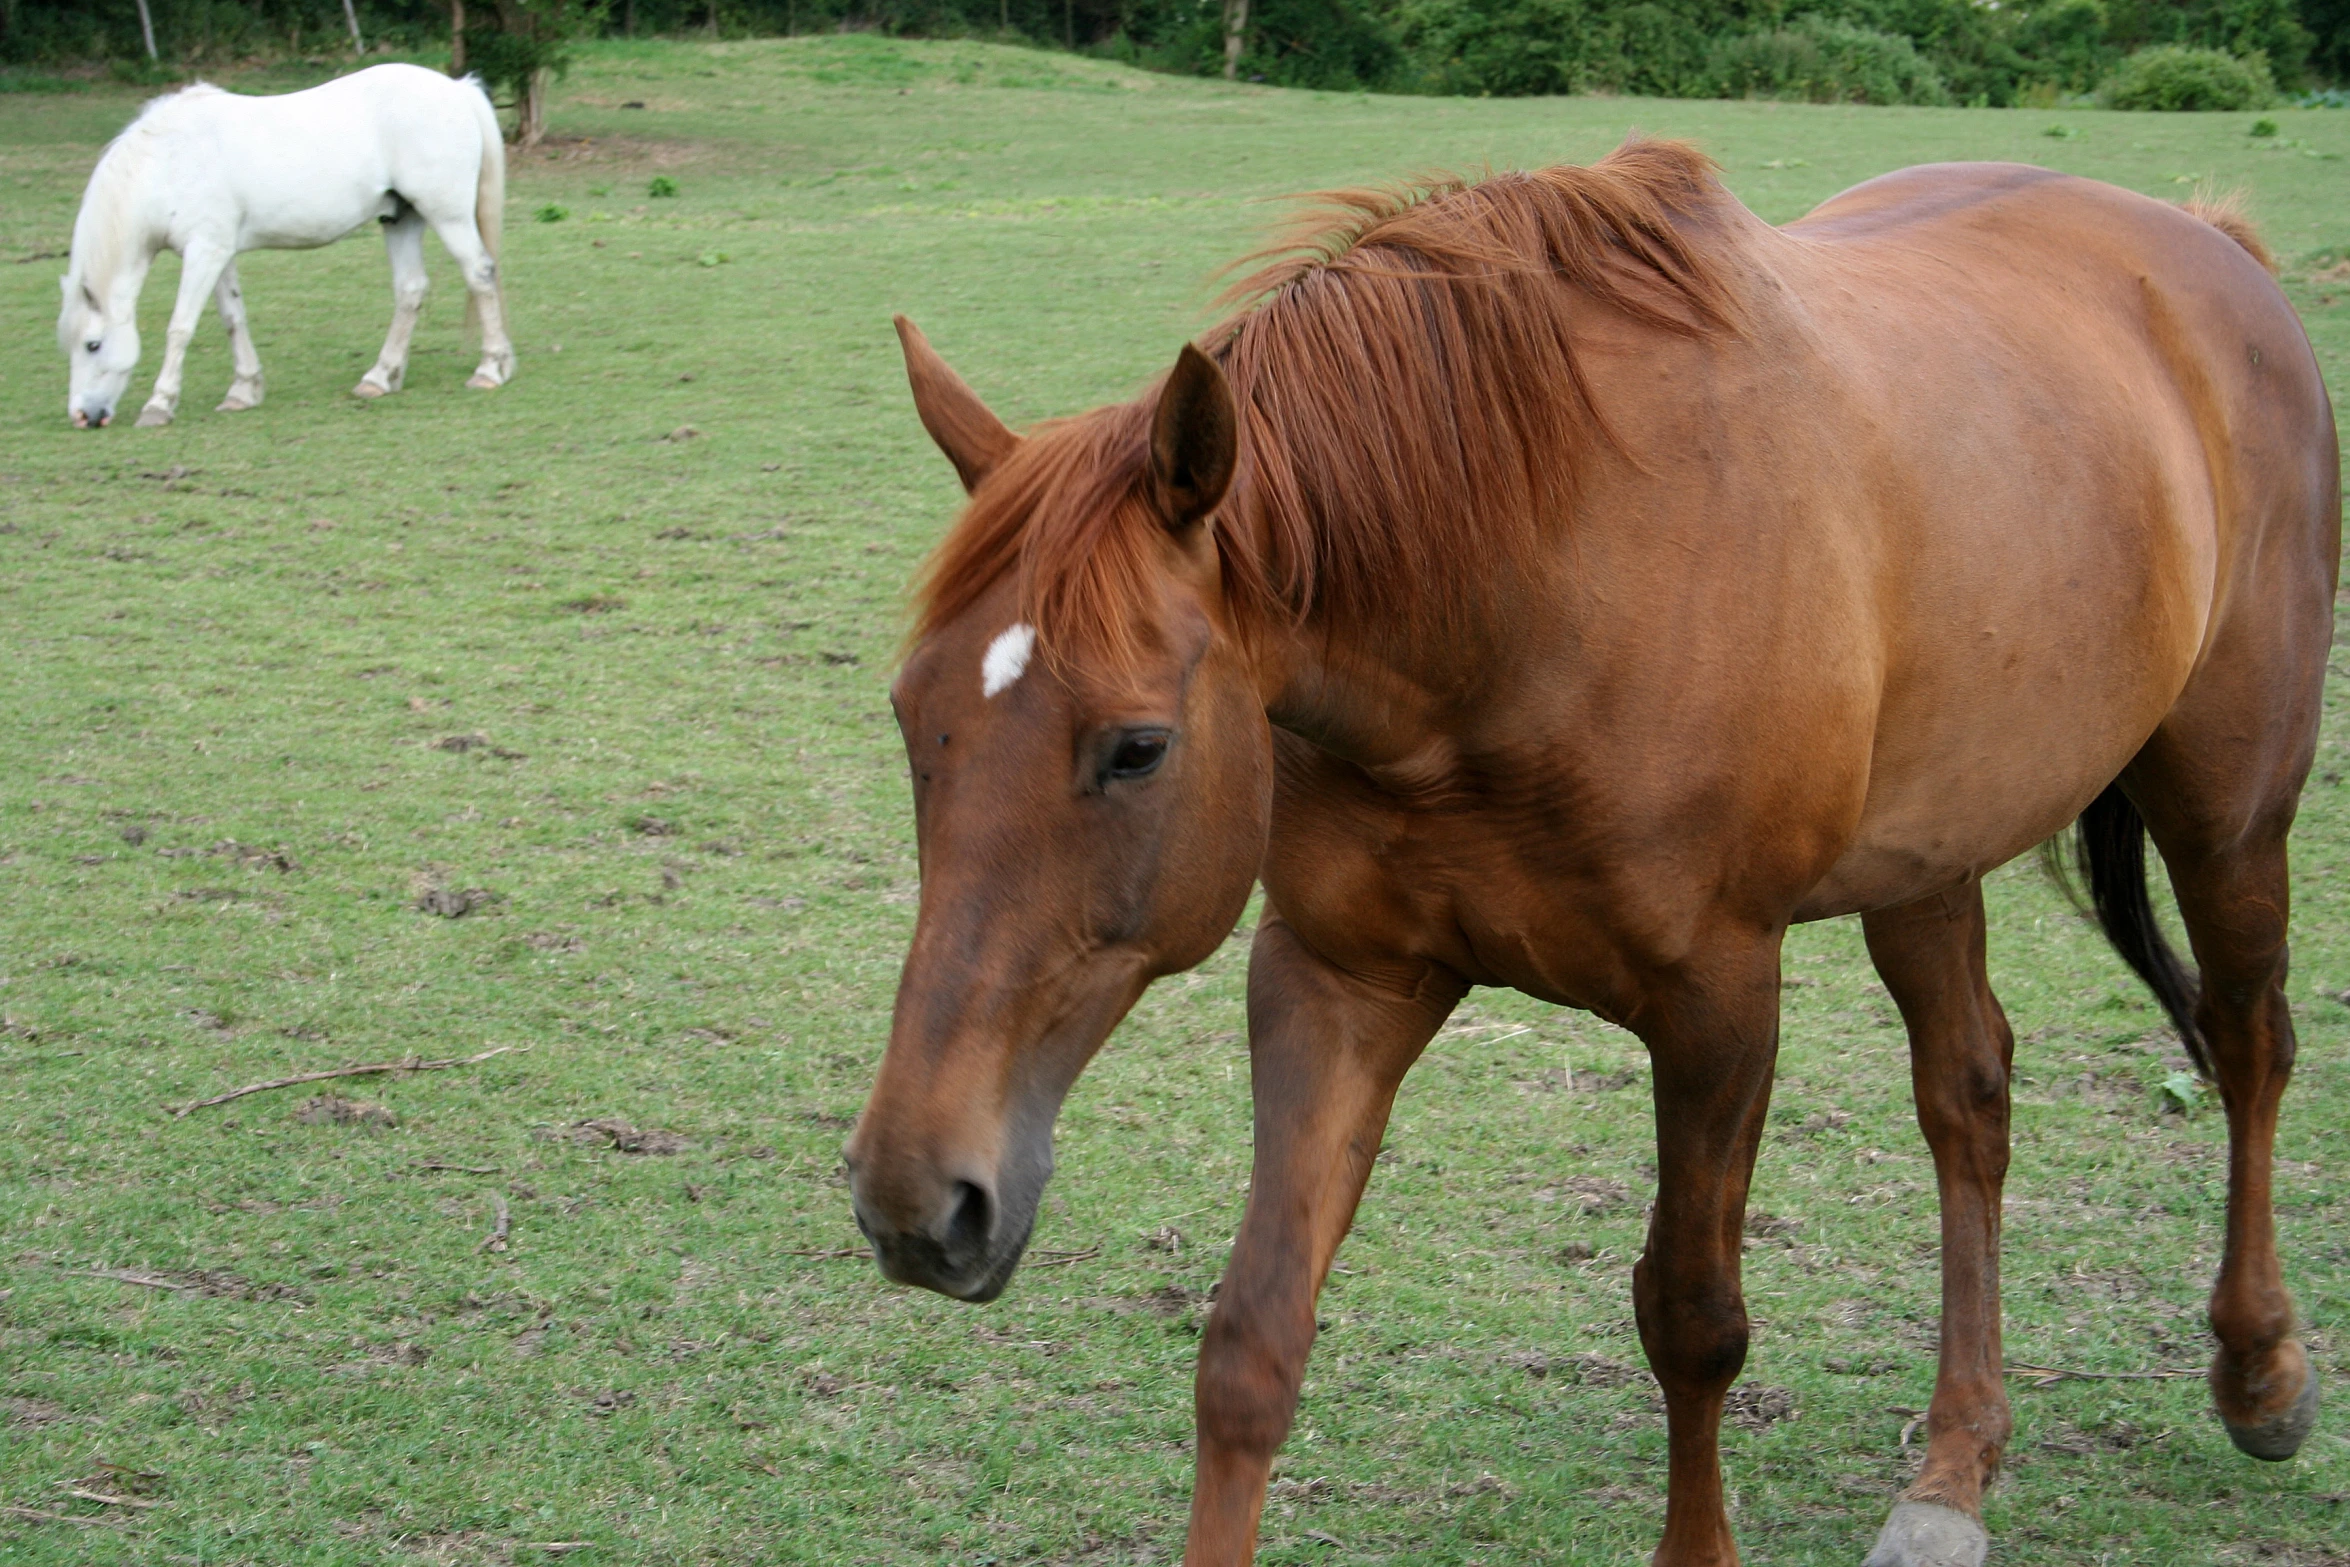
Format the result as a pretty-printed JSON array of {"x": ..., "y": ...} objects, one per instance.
[{"x": 1007, "y": 658}]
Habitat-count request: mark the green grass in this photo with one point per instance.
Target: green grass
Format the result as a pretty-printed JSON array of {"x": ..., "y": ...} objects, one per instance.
[{"x": 249, "y": 636}]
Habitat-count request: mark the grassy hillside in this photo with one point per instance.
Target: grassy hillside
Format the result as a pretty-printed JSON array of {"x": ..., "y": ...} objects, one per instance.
[{"x": 608, "y": 649}]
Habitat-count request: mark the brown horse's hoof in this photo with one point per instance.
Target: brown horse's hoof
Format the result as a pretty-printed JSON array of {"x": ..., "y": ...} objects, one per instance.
[
  {"x": 1926, "y": 1534},
  {"x": 2280, "y": 1436}
]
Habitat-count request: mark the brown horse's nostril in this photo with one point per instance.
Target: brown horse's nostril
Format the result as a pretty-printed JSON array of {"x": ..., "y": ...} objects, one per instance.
[{"x": 969, "y": 1226}]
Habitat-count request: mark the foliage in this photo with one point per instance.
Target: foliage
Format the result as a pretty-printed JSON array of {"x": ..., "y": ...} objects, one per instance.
[
  {"x": 1334, "y": 44},
  {"x": 508, "y": 43},
  {"x": 1814, "y": 60},
  {"x": 2035, "y": 50},
  {"x": 2172, "y": 76},
  {"x": 1497, "y": 48},
  {"x": 2273, "y": 30}
]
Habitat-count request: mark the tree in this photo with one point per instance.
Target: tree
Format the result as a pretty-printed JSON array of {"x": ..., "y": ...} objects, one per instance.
[{"x": 525, "y": 52}]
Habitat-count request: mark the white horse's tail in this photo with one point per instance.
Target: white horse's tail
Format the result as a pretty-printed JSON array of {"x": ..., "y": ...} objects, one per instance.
[{"x": 489, "y": 195}]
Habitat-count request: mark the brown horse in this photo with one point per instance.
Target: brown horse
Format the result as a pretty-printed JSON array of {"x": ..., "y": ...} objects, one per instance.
[{"x": 1568, "y": 581}]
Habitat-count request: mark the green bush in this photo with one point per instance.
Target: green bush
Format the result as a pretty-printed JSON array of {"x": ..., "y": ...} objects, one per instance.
[
  {"x": 1333, "y": 44},
  {"x": 2174, "y": 76},
  {"x": 1814, "y": 60},
  {"x": 1497, "y": 48}
]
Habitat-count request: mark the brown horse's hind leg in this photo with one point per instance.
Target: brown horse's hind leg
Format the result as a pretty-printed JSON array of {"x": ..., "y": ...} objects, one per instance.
[
  {"x": 1930, "y": 955},
  {"x": 1713, "y": 1038},
  {"x": 2232, "y": 896},
  {"x": 1327, "y": 1052}
]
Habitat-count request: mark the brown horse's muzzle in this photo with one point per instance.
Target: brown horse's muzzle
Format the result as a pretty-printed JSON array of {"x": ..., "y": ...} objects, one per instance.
[{"x": 949, "y": 1225}]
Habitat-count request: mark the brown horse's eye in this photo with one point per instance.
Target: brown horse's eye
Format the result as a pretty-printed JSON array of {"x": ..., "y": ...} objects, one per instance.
[{"x": 1139, "y": 755}]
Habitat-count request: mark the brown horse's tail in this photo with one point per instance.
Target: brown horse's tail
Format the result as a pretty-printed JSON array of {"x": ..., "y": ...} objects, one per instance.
[
  {"x": 2225, "y": 212},
  {"x": 2109, "y": 847}
]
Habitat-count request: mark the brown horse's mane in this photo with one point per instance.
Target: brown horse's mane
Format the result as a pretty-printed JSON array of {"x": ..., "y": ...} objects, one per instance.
[{"x": 1412, "y": 409}]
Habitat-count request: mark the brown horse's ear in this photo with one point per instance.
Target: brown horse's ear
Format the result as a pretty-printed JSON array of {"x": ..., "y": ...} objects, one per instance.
[
  {"x": 973, "y": 439},
  {"x": 1195, "y": 439}
]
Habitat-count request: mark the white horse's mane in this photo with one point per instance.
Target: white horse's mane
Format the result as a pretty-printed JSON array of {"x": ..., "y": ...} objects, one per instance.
[{"x": 107, "y": 209}]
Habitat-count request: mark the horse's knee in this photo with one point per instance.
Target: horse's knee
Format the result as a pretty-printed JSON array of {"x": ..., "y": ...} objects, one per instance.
[
  {"x": 1695, "y": 1331},
  {"x": 1965, "y": 1105},
  {"x": 1248, "y": 1382},
  {"x": 410, "y": 295}
]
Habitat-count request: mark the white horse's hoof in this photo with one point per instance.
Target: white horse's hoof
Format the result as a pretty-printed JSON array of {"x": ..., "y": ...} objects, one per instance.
[
  {"x": 370, "y": 389},
  {"x": 153, "y": 418},
  {"x": 1926, "y": 1534},
  {"x": 233, "y": 404},
  {"x": 483, "y": 381}
]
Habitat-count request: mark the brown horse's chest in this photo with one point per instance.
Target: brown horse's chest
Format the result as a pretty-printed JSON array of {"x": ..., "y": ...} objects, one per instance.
[{"x": 1381, "y": 888}]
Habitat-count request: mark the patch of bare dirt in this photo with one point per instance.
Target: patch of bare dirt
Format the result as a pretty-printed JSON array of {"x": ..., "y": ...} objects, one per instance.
[
  {"x": 451, "y": 903},
  {"x": 475, "y": 742},
  {"x": 2119, "y": 1437},
  {"x": 252, "y": 858},
  {"x": 212, "y": 1283},
  {"x": 1753, "y": 1407},
  {"x": 335, "y": 1110},
  {"x": 1588, "y": 1369},
  {"x": 30, "y": 1414},
  {"x": 1590, "y": 1194},
  {"x": 213, "y": 1407},
  {"x": 618, "y": 1135},
  {"x": 383, "y": 1357}
]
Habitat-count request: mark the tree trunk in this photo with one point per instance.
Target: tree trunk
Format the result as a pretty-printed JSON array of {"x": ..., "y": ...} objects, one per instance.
[
  {"x": 147, "y": 27},
  {"x": 530, "y": 114},
  {"x": 456, "y": 37},
  {"x": 1235, "y": 36},
  {"x": 351, "y": 15}
]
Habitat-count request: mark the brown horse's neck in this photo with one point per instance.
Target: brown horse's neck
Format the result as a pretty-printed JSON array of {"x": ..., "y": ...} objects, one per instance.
[{"x": 1351, "y": 695}]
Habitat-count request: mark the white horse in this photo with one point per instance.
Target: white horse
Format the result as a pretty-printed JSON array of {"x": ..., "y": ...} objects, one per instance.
[{"x": 209, "y": 174}]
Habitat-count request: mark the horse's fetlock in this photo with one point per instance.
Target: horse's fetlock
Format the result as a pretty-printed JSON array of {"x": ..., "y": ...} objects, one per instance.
[{"x": 2250, "y": 1325}]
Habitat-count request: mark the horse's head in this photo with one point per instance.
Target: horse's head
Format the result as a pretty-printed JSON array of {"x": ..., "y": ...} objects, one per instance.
[
  {"x": 100, "y": 355},
  {"x": 1092, "y": 783}
]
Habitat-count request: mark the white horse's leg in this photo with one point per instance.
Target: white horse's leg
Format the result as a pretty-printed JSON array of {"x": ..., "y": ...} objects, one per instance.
[
  {"x": 404, "y": 244},
  {"x": 200, "y": 268},
  {"x": 481, "y": 279},
  {"x": 245, "y": 391}
]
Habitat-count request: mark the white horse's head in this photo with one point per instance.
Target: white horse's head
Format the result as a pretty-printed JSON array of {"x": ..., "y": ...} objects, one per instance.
[{"x": 101, "y": 354}]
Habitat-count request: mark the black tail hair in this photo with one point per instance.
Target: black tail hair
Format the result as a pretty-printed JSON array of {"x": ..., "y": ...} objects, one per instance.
[{"x": 2109, "y": 849}]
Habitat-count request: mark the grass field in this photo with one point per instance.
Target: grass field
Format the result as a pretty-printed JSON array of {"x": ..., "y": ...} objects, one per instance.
[{"x": 607, "y": 651}]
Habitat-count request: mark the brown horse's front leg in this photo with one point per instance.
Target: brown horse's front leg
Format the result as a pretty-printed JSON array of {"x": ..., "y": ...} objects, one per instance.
[
  {"x": 1713, "y": 1038},
  {"x": 1327, "y": 1051},
  {"x": 1930, "y": 955}
]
